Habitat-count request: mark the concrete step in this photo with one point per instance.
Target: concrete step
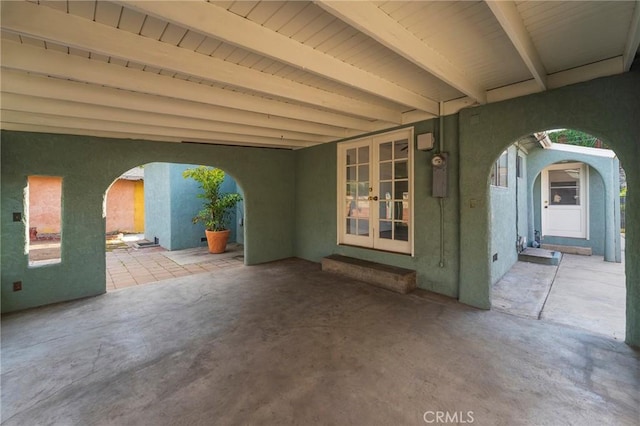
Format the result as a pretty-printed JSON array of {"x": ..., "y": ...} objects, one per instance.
[
  {"x": 540, "y": 255},
  {"x": 584, "y": 251},
  {"x": 392, "y": 278}
]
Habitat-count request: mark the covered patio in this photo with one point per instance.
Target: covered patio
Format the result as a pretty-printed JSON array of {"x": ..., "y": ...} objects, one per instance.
[{"x": 284, "y": 343}]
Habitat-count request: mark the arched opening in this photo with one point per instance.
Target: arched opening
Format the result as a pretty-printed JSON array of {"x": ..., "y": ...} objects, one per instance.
[
  {"x": 150, "y": 233},
  {"x": 555, "y": 235}
]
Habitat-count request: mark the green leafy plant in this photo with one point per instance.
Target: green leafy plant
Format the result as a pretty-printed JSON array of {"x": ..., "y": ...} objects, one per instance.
[{"x": 217, "y": 207}]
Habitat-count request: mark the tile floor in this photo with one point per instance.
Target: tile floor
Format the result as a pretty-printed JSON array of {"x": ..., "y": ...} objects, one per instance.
[{"x": 128, "y": 267}]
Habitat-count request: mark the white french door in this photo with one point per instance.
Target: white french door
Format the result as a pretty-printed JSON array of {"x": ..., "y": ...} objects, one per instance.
[
  {"x": 375, "y": 193},
  {"x": 564, "y": 200}
]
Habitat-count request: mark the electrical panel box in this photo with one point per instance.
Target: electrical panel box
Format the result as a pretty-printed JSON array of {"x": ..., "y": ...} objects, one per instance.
[{"x": 440, "y": 185}]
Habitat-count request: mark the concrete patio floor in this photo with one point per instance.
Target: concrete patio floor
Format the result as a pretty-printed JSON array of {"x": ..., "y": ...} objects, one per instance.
[{"x": 284, "y": 343}]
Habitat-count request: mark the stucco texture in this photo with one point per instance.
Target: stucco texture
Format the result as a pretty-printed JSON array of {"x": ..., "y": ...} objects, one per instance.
[
  {"x": 88, "y": 166},
  {"x": 316, "y": 213},
  {"x": 290, "y": 197},
  {"x": 608, "y": 108}
]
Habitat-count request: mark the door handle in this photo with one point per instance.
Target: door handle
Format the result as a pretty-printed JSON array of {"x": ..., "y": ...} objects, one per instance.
[
  {"x": 546, "y": 207},
  {"x": 374, "y": 198}
]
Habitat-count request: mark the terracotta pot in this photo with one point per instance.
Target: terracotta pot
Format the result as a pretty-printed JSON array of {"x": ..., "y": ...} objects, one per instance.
[{"x": 217, "y": 240}]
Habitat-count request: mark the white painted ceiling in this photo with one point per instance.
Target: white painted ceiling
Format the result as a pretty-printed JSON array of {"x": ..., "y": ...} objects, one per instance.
[{"x": 291, "y": 74}]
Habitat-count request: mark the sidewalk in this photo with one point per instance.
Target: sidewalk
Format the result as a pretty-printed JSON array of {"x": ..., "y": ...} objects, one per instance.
[
  {"x": 582, "y": 291},
  {"x": 128, "y": 267}
]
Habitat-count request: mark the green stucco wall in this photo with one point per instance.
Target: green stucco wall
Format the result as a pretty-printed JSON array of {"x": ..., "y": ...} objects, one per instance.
[
  {"x": 316, "y": 213},
  {"x": 88, "y": 166},
  {"x": 608, "y": 108},
  {"x": 504, "y": 231},
  {"x": 290, "y": 197}
]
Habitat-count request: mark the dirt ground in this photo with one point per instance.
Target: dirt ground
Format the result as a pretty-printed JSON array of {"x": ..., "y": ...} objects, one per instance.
[{"x": 44, "y": 250}]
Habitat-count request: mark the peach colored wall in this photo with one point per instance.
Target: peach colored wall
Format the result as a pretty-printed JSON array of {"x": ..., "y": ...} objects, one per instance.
[
  {"x": 45, "y": 196},
  {"x": 45, "y": 205},
  {"x": 120, "y": 206}
]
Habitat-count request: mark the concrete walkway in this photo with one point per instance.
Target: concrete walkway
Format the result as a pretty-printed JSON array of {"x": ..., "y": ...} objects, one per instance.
[
  {"x": 582, "y": 291},
  {"x": 588, "y": 293},
  {"x": 286, "y": 344}
]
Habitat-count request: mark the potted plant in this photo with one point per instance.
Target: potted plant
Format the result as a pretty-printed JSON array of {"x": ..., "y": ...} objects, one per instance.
[{"x": 217, "y": 207}]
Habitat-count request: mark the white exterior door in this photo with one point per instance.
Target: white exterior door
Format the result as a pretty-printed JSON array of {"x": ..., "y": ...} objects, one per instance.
[
  {"x": 564, "y": 200},
  {"x": 375, "y": 199}
]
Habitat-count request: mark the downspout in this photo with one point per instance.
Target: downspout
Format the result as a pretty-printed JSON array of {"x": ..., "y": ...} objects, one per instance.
[
  {"x": 517, "y": 199},
  {"x": 440, "y": 149}
]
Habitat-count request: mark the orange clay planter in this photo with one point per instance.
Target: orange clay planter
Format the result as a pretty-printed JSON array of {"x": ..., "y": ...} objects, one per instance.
[{"x": 217, "y": 240}]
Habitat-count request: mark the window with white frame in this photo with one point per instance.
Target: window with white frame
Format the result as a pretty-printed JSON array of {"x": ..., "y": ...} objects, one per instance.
[{"x": 500, "y": 170}]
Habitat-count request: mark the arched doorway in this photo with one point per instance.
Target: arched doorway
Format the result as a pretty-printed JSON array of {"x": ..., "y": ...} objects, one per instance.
[
  {"x": 164, "y": 242},
  {"x": 550, "y": 206}
]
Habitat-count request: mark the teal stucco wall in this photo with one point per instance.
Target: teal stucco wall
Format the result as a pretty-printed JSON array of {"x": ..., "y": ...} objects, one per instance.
[
  {"x": 608, "y": 108},
  {"x": 157, "y": 203},
  {"x": 603, "y": 199},
  {"x": 506, "y": 218},
  {"x": 88, "y": 166},
  {"x": 171, "y": 201}
]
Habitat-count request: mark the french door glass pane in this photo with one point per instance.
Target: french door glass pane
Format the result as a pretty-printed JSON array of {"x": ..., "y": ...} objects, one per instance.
[
  {"x": 363, "y": 154},
  {"x": 401, "y": 149},
  {"x": 401, "y": 231},
  {"x": 357, "y": 191},
  {"x": 363, "y": 173},
  {"x": 386, "y": 229},
  {"x": 385, "y": 210},
  {"x": 352, "y": 187},
  {"x": 385, "y": 191},
  {"x": 385, "y": 151},
  {"x": 351, "y": 226},
  {"x": 385, "y": 171},
  {"x": 401, "y": 170},
  {"x": 351, "y": 173},
  {"x": 351, "y": 156},
  {"x": 363, "y": 227},
  {"x": 401, "y": 188}
]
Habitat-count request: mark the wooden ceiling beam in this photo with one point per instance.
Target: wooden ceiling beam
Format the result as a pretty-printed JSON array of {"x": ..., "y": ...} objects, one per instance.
[
  {"x": 213, "y": 21},
  {"x": 511, "y": 22},
  {"x": 55, "y": 88},
  {"x": 36, "y": 119},
  {"x": 374, "y": 22},
  {"x": 49, "y": 62},
  {"x": 72, "y": 109},
  {"x": 48, "y": 24}
]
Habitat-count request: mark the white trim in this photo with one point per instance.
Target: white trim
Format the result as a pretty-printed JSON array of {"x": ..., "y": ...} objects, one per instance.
[
  {"x": 372, "y": 142},
  {"x": 583, "y": 194},
  {"x": 607, "y": 67},
  {"x": 597, "y": 152}
]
